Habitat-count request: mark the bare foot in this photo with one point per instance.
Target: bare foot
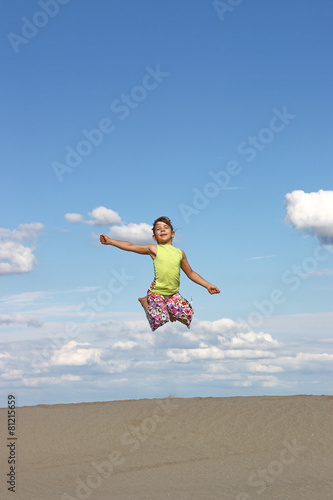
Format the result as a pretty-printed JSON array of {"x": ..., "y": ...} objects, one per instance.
[{"x": 144, "y": 302}]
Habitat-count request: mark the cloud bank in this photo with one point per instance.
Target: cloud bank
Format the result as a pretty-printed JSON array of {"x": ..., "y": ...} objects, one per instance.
[{"x": 120, "y": 358}]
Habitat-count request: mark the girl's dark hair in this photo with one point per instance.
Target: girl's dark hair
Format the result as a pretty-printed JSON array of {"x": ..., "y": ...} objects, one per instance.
[{"x": 164, "y": 219}]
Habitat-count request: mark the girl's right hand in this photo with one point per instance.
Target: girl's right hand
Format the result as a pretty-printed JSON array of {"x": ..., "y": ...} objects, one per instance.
[{"x": 104, "y": 239}]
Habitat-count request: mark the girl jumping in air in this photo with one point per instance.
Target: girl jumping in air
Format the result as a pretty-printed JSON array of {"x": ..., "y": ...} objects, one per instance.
[{"x": 163, "y": 301}]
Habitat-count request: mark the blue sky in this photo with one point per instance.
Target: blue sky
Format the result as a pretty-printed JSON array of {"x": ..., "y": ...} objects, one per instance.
[{"x": 216, "y": 114}]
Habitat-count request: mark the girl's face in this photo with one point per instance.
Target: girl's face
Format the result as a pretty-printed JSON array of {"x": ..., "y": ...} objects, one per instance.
[{"x": 163, "y": 233}]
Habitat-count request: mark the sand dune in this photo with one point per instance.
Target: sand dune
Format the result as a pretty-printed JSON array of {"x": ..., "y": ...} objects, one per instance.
[{"x": 172, "y": 449}]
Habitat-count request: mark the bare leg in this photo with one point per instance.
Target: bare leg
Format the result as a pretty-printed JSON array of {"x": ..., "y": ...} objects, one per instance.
[{"x": 144, "y": 302}]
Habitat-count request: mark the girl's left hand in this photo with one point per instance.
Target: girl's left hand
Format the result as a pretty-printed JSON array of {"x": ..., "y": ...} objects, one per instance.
[{"x": 213, "y": 289}]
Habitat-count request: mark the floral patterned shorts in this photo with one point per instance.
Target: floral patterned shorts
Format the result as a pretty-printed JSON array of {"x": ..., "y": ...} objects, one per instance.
[{"x": 160, "y": 306}]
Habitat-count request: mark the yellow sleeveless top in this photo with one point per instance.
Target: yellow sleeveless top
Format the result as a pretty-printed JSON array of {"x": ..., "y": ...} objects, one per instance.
[{"x": 167, "y": 270}]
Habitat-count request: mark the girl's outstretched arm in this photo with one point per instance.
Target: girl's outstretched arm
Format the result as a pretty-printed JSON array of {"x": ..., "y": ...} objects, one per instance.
[
  {"x": 129, "y": 247},
  {"x": 196, "y": 277}
]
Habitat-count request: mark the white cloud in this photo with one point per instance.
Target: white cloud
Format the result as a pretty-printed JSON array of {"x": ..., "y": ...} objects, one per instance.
[
  {"x": 120, "y": 366},
  {"x": 323, "y": 272},
  {"x": 23, "y": 232},
  {"x": 266, "y": 380},
  {"x": 243, "y": 383},
  {"x": 16, "y": 258},
  {"x": 40, "y": 298},
  {"x": 221, "y": 326},
  {"x": 304, "y": 324},
  {"x": 248, "y": 339},
  {"x": 125, "y": 345},
  {"x": 263, "y": 257},
  {"x": 18, "y": 320},
  {"x": 262, "y": 368},
  {"x": 271, "y": 382},
  {"x": 135, "y": 233},
  {"x": 71, "y": 377},
  {"x": 100, "y": 216},
  {"x": 213, "y": 352},
  {"x": 311, "y": 212},
  {"x": 36, "y": 381},
  {"x": 12, "y": 374},
  {"x": 248, "y": 353},
  {"x": 75, "y": 353},
  {"x": 306, "y": 359},
  {"x": 5, "y": 355},
  {"x": 23, "y": 299},
  {"x": 74, "y": 218}
]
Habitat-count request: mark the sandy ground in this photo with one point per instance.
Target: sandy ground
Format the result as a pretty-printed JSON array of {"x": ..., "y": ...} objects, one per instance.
[{"x": 172, "y": 449}]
